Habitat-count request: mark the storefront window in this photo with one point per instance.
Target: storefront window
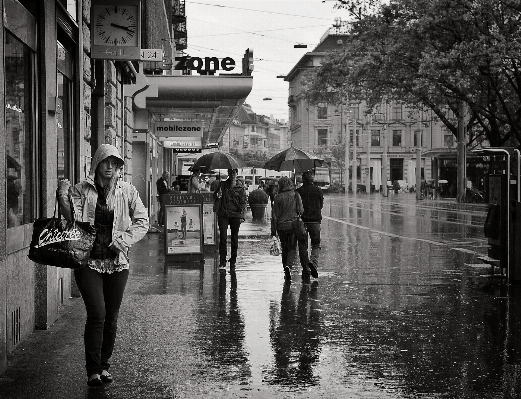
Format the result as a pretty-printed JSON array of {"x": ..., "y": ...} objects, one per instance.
[
  {"x": 19, "y": 114},
  {"x": 64, "y": 107}
]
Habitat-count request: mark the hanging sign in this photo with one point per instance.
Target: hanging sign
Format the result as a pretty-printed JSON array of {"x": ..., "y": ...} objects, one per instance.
[{"x": 179, "y": 129}]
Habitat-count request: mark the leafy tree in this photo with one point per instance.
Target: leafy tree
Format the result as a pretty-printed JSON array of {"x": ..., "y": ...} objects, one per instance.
[{"x": 432, "y": 54}]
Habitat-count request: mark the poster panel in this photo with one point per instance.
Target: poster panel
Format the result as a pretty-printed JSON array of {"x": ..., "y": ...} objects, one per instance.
[{"x": 183, "y": 229}]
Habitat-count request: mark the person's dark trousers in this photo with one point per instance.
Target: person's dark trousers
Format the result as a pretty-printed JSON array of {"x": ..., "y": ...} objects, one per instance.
[
  {"x": 288, "y": 245},
  {"x": 102, "y": 294},
  {"x": 235, "y": 224},
  {"x": 161, "y": 213},
  {"x": 314, "y": 234}
]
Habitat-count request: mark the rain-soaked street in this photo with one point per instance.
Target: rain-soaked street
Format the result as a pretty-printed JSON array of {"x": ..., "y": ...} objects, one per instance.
[{"x": 402, "y": 309}]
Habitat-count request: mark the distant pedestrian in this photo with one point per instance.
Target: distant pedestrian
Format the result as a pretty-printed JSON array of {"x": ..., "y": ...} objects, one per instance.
[
  {"x": 115, "y": 209},
  {"x": 313, "y": 202},
  {"x": 193, "y": 182},
  {"x": 162, "y": 188},
  {"x": 231, "y": 200},
  {"x": 215, "y": 183},
  {"x": 287, "y": 203},
  {"x": 176, "y": 190},
  {"x": 183, "y": 224}
]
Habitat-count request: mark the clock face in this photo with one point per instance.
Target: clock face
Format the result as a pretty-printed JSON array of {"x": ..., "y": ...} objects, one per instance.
[{"x": 116, "y": 25}]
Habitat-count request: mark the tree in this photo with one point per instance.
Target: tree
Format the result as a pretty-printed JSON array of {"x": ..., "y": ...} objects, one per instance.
[{"x": 433, "y": 54}]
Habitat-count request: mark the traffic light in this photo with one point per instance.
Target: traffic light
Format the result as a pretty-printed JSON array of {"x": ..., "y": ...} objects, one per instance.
[{"x": 247, "y": 62}]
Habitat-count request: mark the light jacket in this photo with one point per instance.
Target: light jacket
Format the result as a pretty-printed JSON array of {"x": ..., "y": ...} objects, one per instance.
[{"x": 130, "y": 215}]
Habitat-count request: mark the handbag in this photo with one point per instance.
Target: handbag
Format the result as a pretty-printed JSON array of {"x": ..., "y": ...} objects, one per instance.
[
  {"x": 57, "y": 242},
  {"x": 298, "y": 225}
]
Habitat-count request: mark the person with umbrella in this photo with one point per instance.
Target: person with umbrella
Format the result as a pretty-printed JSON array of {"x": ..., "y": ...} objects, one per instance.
[
  {"x": 193, "y": 183},
  {"x": 313, "y": 201},
  {"x": 230, "y": 206},
  {"x": 286, "y": 205}
]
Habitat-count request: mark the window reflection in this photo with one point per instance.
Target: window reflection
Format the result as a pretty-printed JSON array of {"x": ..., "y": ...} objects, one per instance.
[
  {"x": 19, "y": 170},
  {"x": 63, "y": 111}
]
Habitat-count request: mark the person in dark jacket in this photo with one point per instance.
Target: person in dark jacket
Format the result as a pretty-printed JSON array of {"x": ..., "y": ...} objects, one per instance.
[
  {"x": 231, "y": 199},
  {"x": 313, "y": 201},
  {"x": 162, "y": 188},
  {"x": 285, "y": 207}
]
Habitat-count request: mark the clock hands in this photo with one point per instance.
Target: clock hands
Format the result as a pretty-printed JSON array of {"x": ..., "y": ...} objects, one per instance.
[{"x": 123, "y": 27}]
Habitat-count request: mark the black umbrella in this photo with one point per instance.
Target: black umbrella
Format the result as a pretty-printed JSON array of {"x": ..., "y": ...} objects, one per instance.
[
  {"x": 293, "y": 159},
  {"x": 216, "y": 160}
]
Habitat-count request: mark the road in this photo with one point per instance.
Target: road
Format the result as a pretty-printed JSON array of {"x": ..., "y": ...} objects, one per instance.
[{"x": 402, "y": 309}]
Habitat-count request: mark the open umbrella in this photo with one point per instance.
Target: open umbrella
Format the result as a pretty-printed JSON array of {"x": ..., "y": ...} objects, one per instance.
[
  {"x": 216, "y": 160},
  {"x": 293, "y": 159}
]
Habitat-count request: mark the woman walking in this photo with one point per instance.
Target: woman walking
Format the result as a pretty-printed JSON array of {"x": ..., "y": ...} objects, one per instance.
[
  {"x": 287, "y": 203},
  {"x": 115, "y": 209}
]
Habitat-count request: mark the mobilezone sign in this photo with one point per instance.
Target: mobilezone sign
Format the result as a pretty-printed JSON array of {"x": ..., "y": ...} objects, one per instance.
[{"x": 181, "y": 136}]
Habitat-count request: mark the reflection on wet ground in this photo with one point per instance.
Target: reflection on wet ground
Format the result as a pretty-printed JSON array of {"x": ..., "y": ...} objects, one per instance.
[{"x": 402, "y": 309}]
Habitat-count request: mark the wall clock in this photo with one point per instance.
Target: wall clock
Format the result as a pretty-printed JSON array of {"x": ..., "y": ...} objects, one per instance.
[{"x": 116, "y": 29}]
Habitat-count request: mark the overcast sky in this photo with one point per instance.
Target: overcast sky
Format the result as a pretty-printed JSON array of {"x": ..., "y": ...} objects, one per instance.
[{"x": 226, "y": 28}]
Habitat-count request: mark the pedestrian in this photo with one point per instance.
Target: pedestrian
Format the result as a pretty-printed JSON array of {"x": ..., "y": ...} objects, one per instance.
[
  {"x": 115, "y": 209},
  {"x": 162, "y": 188},
  {"x": 215, "y": 183},
  {"x": 176, "y": 190},
  {"x": 183, "y": 224},
  {"x": 285, "y": 207},
  {"x": 313, "y": 201},
  {"x": 193, "y": 182},
  {"x": 230, "y": 198}
]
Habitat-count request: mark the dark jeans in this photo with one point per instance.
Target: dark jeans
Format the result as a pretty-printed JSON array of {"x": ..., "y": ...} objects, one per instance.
[
  {"x": 288, "y": 244},
  {"x": 161, "y": 213},
  {"x": 314, "y": 234},
  {"x": 235, "y": 224},
  {"x": 102, "y": 294}
]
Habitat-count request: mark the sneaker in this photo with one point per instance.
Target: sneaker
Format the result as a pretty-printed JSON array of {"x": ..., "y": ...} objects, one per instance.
[
  {"x": 94, "y": 381},
  {"x": 313, "y": 270}
]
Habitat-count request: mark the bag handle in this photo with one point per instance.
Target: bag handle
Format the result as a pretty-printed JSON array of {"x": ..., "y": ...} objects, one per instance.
[{"x": 57, "y": 206}]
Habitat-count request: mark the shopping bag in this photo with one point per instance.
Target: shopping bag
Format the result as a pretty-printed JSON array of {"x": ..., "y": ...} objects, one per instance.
[
  {"x": 275, "y": 247},
  {"x": 57, "y": 242}
]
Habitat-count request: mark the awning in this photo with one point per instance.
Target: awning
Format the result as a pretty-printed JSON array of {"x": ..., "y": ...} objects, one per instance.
[{"x": 214, "y": 100}]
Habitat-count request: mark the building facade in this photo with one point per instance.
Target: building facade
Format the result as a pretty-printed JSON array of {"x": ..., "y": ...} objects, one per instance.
[{"x": 383, "y": 141}]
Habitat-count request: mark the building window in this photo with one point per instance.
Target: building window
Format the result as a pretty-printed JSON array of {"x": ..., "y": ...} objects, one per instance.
[
  {"x": 64, "y": 112},
  {"x": 396, "y": 113},
  {"x": 418, "y": 138},
  {"x": 397, "y": 138},
  {"x": 322, "y": 111},
  {"x": 71, "y": 7},
  {"x": 448, "y": 139},
  {"x": 351, "y": 132},
  {"x": 375, "y": 138},
  {"x": 20, "y": 146},
  {"x": 354, "y": 113},
  {"x": 322, "y": 136}
]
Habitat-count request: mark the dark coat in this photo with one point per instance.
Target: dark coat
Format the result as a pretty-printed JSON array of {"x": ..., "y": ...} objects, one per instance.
[{"x": 313, "y": 201}]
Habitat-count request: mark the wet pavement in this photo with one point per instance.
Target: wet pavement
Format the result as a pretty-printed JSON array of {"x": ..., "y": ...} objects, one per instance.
[{"x": 403, "y": 308}]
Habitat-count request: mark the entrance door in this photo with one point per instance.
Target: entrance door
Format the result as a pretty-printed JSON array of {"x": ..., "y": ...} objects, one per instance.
[{"x": 396, "y": 169}]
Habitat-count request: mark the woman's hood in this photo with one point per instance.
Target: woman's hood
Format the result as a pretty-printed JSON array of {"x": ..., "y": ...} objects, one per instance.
[
  {"x": 104, "y": 151},
  {"x": 285, "y": 184}
]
